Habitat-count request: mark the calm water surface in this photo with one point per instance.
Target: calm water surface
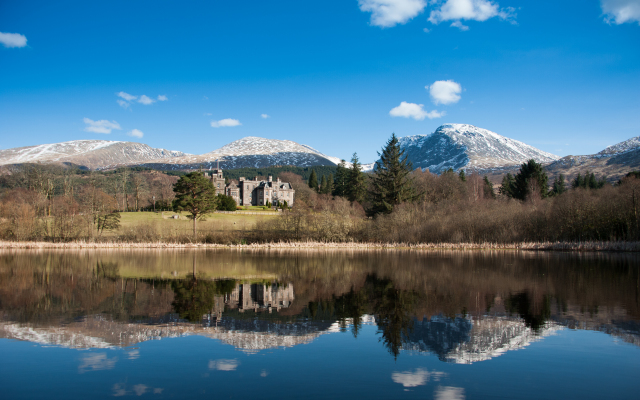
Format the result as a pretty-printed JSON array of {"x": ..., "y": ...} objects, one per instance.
[{"x": 318, "y": 324}]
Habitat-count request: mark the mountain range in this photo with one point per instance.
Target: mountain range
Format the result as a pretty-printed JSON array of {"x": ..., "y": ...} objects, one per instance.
[{"x": 455, "y": 146}]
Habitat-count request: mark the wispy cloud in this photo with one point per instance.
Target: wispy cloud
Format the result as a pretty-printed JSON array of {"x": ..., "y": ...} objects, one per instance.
[
  {"x": 13, "y": 39},
  {"x": 265, "y": 116},
  {"x": 224, "y": 364},
  {"x": 146, "y": 100},
  {"x": 444, "y": 92},
  {"x": 388, "y": 13},
  {"x": 162, "y": 97},
  {"x": 621, "y": 11},
  {"x": 136, "y": 133},
  {"x": 476, "y": 10},
  {"x": 101, "y": 126},
  {"x": 419, "y": 377},
  {"x": 225, "y": 123},
  {"x": 123, "y": 103},
  {"x": 126, "y": 96},
  {"x": 415, "y": 111},
  {"x": 460, "y": 25},
  {"x": 449, "y": 393}
]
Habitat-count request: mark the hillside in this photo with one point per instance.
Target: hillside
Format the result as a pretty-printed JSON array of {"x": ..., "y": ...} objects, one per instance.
[
  {"x": 468, "y": 147},
  {"x": 91, "y": 154}
]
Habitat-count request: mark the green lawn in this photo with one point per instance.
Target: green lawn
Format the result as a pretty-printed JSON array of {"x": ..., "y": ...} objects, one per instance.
[{"x": 213, "y": 221}]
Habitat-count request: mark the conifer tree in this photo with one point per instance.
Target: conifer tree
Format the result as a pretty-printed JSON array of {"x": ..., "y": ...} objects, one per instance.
[
  {"x": 507, "y": 187},
  {"x": 488, "y": 188},
  {"x": 196, "y": 195},
  {"x": 391, "y": 183},
  {"x": 329, "y": 189},
  {"x": 578, "y": 182},
  {"x": 313, "y": 180},
  {"x": 558, "y": 185},
  {"x": 323, "y": 185},
  {"x": 462, "y": 175},
  {"x": 340, "y": 182},
  {"x": 530, "y": 173},
  {"x": 356, "y": 184}
]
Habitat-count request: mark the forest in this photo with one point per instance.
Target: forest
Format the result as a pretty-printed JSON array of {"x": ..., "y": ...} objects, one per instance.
[{"x": 393, "y": 204}]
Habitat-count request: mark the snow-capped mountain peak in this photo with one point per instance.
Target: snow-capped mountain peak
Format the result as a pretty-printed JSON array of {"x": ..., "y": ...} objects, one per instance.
[{"x": 466, "y": 146}]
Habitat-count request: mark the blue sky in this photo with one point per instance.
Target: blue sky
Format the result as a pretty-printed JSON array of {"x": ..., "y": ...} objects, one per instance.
[{"x": 340, "y": 76}]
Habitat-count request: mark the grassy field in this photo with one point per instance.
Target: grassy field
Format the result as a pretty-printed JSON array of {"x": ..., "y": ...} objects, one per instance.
[{"x": 164, "y": 222}]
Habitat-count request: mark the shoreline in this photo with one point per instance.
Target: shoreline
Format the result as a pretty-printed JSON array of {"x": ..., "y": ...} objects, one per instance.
[{"x": 528, "y": 246}]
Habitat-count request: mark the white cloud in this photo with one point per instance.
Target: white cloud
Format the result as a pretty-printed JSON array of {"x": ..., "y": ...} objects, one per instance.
[
  {"x": 140, "y": 389},
  {"x": 265, "y": 116},
  {"x": 163, "y": 97},
  {"x": 206, "y": 114},
  {"x": 444, "y": 92},
  {"x": 102, "y": 126},
  {"x": 13, "y": 39},
  {"x": 122, "y": 103},
  {"x": 621, "y": 11},
  {"x": 477, "y": 10},
  {"x": 415, "y": 111},
  {"x": 223, "y": 365},
  {"x": 459, "y": 25},
  {"x": 225, "y": 122},
  {"x": 449, "y": 393},
  {"x": 136, "y": 133},
  {"x": 97, "y": 362},
  {"x": 388, "y": 13},
  {"x": 419, "y": 377},
  {"x": 146, "y": 100},
  {"x": 126, "y": 96}
]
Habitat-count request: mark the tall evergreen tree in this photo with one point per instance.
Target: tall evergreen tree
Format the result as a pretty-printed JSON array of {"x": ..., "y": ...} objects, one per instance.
[
  {"x": 196, "y": 195},
  {"x": 323, "y": 185},
  {"x": 462, "y": 175},
  {"x": 313, "y": 180},
  {"x": 391, "y": 183},
  {"x": 340, "y": 182},
  {"x": 508, "y": 186},
  {"x": 558, "y": 185},
  {"x": 356, "y": 184},
  {"x": 579, "y": 182},
  {"x": 329, "y": 189},
  {"x": 488, "y": 188},
  {"x": 531, "y": 175}
]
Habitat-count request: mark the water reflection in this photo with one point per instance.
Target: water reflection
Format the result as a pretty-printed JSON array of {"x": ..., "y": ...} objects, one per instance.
[{"x": 462, "y": 307}]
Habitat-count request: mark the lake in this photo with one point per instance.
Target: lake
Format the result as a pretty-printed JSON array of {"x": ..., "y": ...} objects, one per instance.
[{"x": 319, "y": 324}]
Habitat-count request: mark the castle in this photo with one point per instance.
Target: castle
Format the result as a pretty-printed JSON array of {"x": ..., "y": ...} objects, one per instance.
[{"x": 252, "y": 192}]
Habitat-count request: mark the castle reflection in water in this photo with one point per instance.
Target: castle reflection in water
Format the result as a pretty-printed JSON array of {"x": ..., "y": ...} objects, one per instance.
[{"x": 256, "y": 297}]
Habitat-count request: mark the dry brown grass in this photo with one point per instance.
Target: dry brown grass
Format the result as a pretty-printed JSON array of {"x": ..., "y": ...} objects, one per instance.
[{"x": 545, "y": 246}]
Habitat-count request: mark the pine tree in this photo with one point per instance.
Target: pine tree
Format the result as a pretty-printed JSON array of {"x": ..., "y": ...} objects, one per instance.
[
  {"x": 462, "y": 175},
  {"x": 558, "y": 185},
  {"x": 196, "y": 195},
  {"x": 356, "y": 184},
  {"x": 578, "y": 182},
  {"x": 329, "y": 189},
  {"x": 592, "y": 183},
  {"x": 488, "y": 188},
  {"x": 530, "y": 173},
  {"x": 323, "y": 185},
  {"x": 313, "y": 180},
  {"x": 340, "y": 182},
  {"x": 508, "y": 186},
  {"x": 391, "y": 183}
]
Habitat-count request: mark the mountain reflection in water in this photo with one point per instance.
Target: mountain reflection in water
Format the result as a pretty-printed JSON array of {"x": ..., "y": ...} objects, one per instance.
[{"x": 463, "y": 307}]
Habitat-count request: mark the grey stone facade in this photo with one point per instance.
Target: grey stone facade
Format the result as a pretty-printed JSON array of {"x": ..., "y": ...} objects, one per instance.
[{"x": 253, "y": 192}]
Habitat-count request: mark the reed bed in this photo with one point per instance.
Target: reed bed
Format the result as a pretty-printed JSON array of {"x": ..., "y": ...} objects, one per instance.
[{"x": 588, "y": 246}]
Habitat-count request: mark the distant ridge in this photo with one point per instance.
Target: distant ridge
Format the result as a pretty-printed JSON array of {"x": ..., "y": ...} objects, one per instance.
[
  {"x": 92, "y": 154},
  {"x": 462, "y": 146}
]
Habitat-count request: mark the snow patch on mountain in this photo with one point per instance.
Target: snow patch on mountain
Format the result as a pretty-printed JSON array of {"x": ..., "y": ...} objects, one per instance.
[
  {"x": 95, "y": 154},
  {"x": 465, "y": 146},
  {"x": 622, "y": 147}
]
